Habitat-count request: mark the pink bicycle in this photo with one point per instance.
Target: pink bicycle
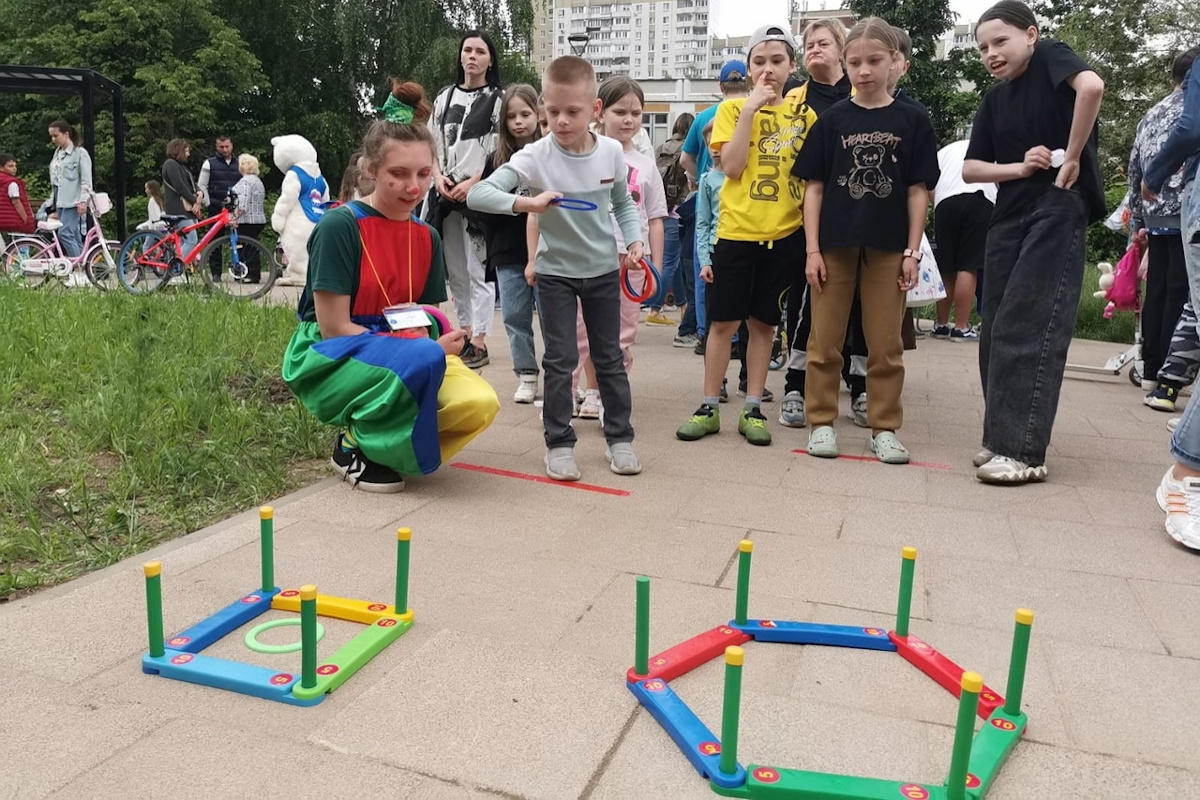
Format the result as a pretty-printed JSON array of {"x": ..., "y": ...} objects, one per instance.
[{"x": 36, "y": 260}]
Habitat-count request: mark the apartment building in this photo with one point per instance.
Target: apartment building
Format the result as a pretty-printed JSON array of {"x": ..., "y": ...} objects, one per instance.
[{"x": 649, "y": 39}]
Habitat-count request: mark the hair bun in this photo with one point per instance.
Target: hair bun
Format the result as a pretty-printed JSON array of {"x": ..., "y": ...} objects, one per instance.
[{"x": 412, "y": 94}]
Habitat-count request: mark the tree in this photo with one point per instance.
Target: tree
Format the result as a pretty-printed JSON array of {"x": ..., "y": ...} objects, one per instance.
[
  {"x": 246, "y": 68},
  {"x": 1123, "y": 41},
  {"x": 181, "y": 65},
  {"x": 930, "y": 80}
]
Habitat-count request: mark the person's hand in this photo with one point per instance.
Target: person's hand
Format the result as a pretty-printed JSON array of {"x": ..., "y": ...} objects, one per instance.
[
  {"x": 762, "y": 94},
  {"x": 1139, "y": 236},
  {"x": 531, "y": 274},
  {"x": 1036, "y": 158},
  {"x": 444, "y": 186},
  {"x": 1147, "y": 194},
  {"x": 706, "y": 273},
  {"x": 80, "y": 208},
  {"x": 909, "y": 273},
  {"x": 1068, "y": 173},
  {"x": 452, "y": 342},
  {"x": 536, "y": 205},
  {"x": 459, "y": 192},
  {"x": 634, "y": 255},
  {"x": 814, "y": 271}
]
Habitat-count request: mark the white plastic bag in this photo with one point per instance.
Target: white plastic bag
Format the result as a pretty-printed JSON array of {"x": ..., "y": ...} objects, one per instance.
[{"x": 929, "y": 288}]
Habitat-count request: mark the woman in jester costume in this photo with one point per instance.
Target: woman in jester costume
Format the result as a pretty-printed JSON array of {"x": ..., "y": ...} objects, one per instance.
[{"x": 368, "y": 355}]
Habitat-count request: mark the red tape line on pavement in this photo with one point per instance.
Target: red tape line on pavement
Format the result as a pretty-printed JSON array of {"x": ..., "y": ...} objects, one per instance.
[
  {"x": 925, "y": 464},
  {"x": 504, "y": 473}
]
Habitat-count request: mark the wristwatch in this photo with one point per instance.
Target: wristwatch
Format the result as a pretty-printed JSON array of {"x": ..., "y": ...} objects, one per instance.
[{"x": 910, "y": 253}]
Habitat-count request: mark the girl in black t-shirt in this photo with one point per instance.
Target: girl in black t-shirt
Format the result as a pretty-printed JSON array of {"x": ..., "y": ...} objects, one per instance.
[
  {"x": 1035, "y": 136},
  {"x": 869, "y": 162}
]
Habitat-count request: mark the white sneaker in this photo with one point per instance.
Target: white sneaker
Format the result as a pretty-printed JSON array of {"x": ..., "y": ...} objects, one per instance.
[
  {"x": 858, "y": 411},
  {"x": 621, "y": 459},
  {"x": 591, "y": 407},
  {"x": 1169, "y": 484},
  {"x": 1183, "y": 514},
  {"x": 560, "y": 464},
  {"x": 981, "y": 458},
  {"x": 1005, "y": 470},
  {"x": 526, "y": 389},
  {"x": 1173, "y": 423},
  {"x": 75, "y": 280}
]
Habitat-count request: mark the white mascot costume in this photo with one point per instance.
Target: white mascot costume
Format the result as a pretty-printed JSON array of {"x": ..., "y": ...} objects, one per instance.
[{"x": 301, "y": 203}]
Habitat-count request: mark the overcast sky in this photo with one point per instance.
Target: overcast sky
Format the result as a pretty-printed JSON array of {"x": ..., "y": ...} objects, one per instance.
[{"x": 741, "y": 17}]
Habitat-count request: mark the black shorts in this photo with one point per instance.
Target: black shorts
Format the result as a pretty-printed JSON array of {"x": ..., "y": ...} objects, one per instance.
[
  {"x": 751, "y": 278},
  {"x": 960, "y": 225}
]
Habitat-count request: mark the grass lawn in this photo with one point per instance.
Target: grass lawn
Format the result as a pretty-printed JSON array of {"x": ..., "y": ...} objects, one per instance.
[
  {"x": 1091, "y": 323},
  {"x": 128, "y": 420}
]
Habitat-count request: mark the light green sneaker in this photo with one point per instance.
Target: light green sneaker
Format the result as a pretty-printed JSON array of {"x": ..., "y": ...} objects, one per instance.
[
  {"x": 706, "y": 420},
  {"x": 753, "y": 425}
]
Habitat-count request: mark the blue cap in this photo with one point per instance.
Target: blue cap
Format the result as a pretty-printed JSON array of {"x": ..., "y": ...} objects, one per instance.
[{"x": 733, "y": 71}]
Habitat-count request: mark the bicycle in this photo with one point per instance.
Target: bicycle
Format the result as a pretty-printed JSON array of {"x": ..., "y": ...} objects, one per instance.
[
  {"x": 35, "y": 259},
  {"x": 150, "y": 260}
]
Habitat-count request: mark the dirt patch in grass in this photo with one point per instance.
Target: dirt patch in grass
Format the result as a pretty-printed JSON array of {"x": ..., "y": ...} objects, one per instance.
[{"x": 270, "y": 388}]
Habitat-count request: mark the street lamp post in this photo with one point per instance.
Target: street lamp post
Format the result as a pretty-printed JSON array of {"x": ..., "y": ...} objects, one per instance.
[{"x": 579, "y": 41}]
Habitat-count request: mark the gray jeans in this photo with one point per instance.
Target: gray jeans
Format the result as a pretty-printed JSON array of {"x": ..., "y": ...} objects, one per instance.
[
  {"x": 559, "y": 299},
  {"x": 1032, "y": 279}
]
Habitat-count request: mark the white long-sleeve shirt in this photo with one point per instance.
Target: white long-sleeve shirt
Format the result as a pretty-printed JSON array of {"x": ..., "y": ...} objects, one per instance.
[{"x": 574, "y": 244}]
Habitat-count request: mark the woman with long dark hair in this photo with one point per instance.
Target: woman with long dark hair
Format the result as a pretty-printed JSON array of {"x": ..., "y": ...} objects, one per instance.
[
  {"x": 463, "y": 124},
  {"x": 71, "y": 177}
]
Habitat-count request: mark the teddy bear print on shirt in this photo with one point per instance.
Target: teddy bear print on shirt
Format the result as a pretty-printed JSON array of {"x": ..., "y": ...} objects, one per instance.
[{"x": 867, "y": 175}]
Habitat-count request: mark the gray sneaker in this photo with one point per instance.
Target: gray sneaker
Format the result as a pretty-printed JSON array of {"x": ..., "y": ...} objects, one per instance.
[
  {"x": 791, "y": 410},
  {"x": 858, "y": 411},
  {"x": 622, "y": 460},
  {"x": 560, "y": 464}
]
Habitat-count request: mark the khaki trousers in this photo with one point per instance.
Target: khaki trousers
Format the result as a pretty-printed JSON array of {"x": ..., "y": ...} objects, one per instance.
[{"x": 876, "y": 274}]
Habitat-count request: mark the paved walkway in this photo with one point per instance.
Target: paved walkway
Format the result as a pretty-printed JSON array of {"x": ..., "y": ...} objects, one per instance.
[{"x": 511, "y": 682}]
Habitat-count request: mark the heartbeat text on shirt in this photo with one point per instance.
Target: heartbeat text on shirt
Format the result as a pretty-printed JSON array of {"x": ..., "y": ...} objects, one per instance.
[{"x": 876, "y": 137}]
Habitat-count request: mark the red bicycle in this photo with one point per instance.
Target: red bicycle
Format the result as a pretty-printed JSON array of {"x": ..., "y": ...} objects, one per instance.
[{"x": 239, "y": 266}]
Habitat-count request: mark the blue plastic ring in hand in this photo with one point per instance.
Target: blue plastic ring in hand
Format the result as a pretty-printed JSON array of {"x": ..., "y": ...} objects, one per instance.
[
  {"x": 649, "y": 289},
  {"x": 575, "y": 204}
]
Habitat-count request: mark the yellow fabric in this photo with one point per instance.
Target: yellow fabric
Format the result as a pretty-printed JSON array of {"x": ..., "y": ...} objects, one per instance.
[
  {"x": 764, "y": 203},
  {"x": 467, "y": 405}
]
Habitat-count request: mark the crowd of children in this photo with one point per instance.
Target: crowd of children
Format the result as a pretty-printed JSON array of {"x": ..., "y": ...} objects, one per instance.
[{"x": 810, "y": 201}]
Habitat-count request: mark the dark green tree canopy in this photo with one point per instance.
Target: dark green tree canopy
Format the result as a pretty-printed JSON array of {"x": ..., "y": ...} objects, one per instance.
[{"x": 245, "y": 68}]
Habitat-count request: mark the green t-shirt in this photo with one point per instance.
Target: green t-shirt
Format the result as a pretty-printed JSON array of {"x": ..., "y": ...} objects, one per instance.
[{"x": 402, "y": 261}]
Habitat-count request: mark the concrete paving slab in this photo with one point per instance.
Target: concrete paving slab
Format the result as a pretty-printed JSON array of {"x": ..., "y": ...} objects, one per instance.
[
  {"x": 200, "y": 758},
  {"x": 963, "y": 593},
  {"x": 338, "y": 504},
  {"x": 1129, "y": 704},
  {"x": 503, "y": 717},
  {"x": 54, "y": 732},
  {"x": 1101, "y": 549},
  {"x": 783, "y": 509},
  {"x": 75, "y": 635},
  {"x": 932, "y": 529},
  {"x": 807, "y": 734},
  {"x": 885, "y": 683},
  {"x": 843, "y": 574},
  {"x": 1173, "y": 610},
  {"x": 678, "y": 611},
  {"x": 1036, "y": 771},
  {"x": 647, "y": 763}
]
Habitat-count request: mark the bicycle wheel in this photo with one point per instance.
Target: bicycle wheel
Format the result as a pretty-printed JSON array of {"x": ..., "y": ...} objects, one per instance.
[
  {"x": 246, "y": 271},
  {"x": 102, "y": 271},
  {"x": 18, "y": 266},
  {"x": 138, "y": 272}
]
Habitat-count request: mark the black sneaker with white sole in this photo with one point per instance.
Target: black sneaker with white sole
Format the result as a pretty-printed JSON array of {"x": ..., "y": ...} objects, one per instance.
[{"x": 363, "y": 473}]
